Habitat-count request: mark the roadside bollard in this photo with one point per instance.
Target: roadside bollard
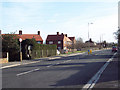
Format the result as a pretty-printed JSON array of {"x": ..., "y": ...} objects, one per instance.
[
  {"x": 90, "y": 51},
  {"x": 21, "y": 56}
]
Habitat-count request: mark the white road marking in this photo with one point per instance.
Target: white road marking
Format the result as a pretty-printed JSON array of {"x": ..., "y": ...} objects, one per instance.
[
  {"x": 91, "y": 83},
  {"x": 28, "y": 72},
  {"x": 48, "y": 66},
  {"x": 67, "y": 61}
]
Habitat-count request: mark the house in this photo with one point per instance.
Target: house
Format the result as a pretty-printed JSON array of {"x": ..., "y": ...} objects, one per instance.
[
  {"x": 72, "y": 39},
  {"x": 37, "y": 36},
  {"x": 61, "y": 40},
  {"x": 91, "y": 42}
]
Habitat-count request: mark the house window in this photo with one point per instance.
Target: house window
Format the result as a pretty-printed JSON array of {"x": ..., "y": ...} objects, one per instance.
[
  {"x": 39, "y": 42},
  {"x": 65, "y": 42},
  {"x": 59, "y": 42},
  {"x": 50, "y": 42}
]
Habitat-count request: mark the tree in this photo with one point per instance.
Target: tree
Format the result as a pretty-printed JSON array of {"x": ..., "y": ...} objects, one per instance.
[
  {"x": 10, "y": 43},
  {"x": 79, "y": 43}
]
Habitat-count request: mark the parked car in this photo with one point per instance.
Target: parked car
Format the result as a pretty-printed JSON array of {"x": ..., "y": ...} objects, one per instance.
[{"x": 114, "y": 49}]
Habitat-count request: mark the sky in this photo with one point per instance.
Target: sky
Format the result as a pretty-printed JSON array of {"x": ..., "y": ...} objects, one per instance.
[{"x": 68, "y": 17}]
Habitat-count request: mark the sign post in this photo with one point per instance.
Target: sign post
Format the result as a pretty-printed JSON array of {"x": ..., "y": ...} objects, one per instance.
[{"x": 20, "y": 39}]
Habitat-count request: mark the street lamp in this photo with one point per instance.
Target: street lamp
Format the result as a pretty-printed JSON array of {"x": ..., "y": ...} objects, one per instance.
[
  {"x": 88, "y": 29},
  {"x": 89, "y": 39}
]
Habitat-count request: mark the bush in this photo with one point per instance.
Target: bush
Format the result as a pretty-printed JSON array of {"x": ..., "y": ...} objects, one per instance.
[
  {"x": 37, "y": 50},
  {"x": 44, "y": 51},
  {"x": 10, "y": 44}
]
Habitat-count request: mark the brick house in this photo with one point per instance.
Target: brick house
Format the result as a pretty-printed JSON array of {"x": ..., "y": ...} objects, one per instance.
[
  {"x": 72, "y": 39},
  {"x": 37, "y": 36},
  {"x": 61, "y": 40}
]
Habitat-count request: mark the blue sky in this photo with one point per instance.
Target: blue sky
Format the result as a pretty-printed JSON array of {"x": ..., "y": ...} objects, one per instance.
[{"x": 71, "y": 18}]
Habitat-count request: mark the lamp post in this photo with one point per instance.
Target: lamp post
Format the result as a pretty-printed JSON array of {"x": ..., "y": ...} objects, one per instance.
[
  {"x": 20, "y": 39},
  {"x": 89, "y": 39}
]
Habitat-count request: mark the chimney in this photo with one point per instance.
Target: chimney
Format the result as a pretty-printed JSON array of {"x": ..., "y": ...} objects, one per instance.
[
  {"x": 66, "y": 35},
  {"x": 20, "y": 32},
  {"x": 57, "y": 33},
  {"x": 38, "y": 32}
]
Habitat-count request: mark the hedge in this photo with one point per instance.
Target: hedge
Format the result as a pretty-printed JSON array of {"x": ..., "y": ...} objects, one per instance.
[{"x": 42, "y": 50}]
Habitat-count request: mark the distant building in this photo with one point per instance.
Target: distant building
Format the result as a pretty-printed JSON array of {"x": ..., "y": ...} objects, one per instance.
[
  {"x": 72, "y": 39},
  {"x": 91, "y": 42},
  {"x": 61, "y": 40},
  {"x": 37, "y": 36}
]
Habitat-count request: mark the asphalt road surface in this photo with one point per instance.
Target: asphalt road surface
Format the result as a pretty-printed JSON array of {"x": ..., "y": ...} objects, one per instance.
[{"x": 67, "y": 72}]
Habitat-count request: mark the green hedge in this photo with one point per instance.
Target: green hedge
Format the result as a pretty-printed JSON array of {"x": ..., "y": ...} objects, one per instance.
[{"x": 41, "y": 50}]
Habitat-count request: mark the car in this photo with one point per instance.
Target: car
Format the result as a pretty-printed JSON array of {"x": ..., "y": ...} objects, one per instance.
[{"x": 114, "y": 49}]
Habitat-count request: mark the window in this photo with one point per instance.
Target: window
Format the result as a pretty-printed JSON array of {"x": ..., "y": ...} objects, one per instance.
[
  {"x": 65, "y": 42},
  {"x": 59, "y": 42},
  {"x": 50, "y": 42},
  {"x": 39, "y": 42}
]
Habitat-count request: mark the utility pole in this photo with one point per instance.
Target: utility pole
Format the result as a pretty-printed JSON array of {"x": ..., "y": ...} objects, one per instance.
[{"x": 89, "y": 39}]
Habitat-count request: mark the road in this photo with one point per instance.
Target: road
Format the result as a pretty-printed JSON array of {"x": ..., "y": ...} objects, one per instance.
[{"x": 67, "y": 72}]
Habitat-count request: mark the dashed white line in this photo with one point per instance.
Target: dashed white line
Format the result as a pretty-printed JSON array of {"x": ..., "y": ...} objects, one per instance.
[{"x": 28, "y": 72}]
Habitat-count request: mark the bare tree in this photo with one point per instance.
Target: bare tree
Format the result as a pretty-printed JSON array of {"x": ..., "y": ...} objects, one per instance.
[{"x": 79, "y": 43}]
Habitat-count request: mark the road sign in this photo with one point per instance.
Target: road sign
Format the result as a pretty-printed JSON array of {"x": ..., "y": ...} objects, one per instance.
[{"x": 20, "y": 39}]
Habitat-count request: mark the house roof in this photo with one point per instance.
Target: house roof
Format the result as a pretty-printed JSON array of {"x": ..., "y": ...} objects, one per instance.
[
  {"x": 89, "y": 41},
  {"x": 72, "y": 38},
  {"x": 29, "y": 36},
  {"x": 57, "y": 37},
  {"x": 54, "y": 37}
]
